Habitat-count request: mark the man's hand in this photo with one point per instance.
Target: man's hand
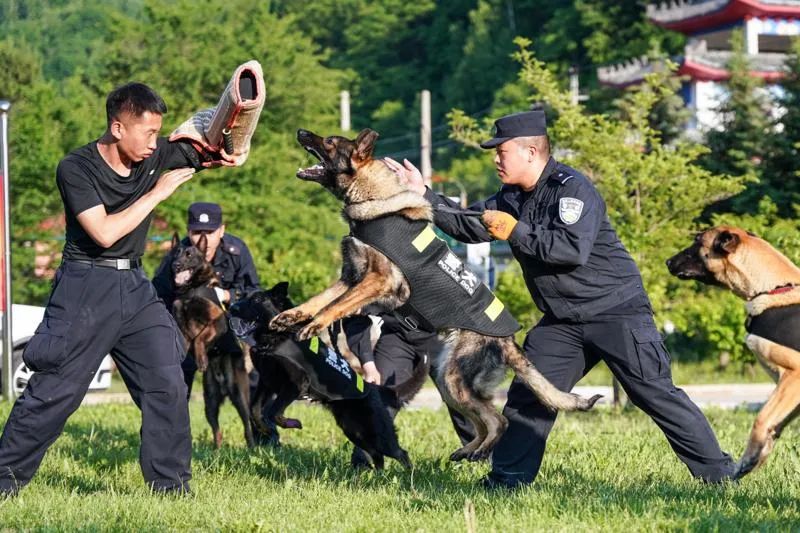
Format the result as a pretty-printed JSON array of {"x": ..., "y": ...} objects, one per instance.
[
  {"x": 105, "y": 229},
  {"x": 226, "y": 160},
  {"x": 499, "y": 224},
  {"x": 371, "y": 374},
  {"x": 408, "y": 173},
  {"x": 169, "y": 181}
]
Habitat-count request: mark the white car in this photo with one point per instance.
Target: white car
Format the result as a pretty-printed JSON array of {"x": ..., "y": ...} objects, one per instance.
[{"x": 24, "y": 321}]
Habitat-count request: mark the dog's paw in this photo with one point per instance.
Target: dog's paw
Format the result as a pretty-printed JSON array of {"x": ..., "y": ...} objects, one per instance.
[
  {"x": 459, "y": 455},
  {"x": 587, "y": 403},
  {"x": 479, "y": 455},
  {"x": 748, "y": 463},
  {"x": 311, "y": 330},
  {"x": 288, "y": 320},
  {"x": 288, "y": 423}
]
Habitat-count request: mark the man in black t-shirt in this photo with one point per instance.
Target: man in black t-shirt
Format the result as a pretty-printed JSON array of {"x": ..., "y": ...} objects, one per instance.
[{"x": 102, "y": 301}]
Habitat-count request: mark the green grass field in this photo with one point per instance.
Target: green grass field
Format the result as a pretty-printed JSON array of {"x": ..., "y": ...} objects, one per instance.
[{"x": 604, "y": 471}]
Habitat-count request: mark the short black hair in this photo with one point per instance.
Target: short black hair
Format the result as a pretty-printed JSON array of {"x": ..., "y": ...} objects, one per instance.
[{"x": 134, "y": 98}]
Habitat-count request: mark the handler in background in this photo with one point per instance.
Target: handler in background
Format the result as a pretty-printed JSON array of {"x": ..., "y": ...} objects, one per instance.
[
  {"x": 588, "y": 287},
  {"x": 102, "y": 301},
  {"x": 232, "y": 263}
]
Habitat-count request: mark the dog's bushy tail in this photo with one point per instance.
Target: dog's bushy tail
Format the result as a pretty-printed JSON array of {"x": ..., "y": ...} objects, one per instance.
[
  {"x": 552, "y": 398},
  {"x": 404, "y": 392}
]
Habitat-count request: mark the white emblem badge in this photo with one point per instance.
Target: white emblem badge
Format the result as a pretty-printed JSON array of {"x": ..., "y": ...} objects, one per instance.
[
  {"x": 569, "y": 210},
  {"x": 203, "y": 218}
]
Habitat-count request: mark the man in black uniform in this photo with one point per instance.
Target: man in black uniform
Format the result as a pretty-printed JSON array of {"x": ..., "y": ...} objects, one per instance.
[
  {"x": 590, "y": 291},
  {"x": 102, "y": 301},
  {"x": 232, "y": 262}
]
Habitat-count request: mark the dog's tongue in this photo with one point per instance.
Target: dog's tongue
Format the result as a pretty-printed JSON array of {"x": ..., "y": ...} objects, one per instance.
[{"x": 182, "y": 277}]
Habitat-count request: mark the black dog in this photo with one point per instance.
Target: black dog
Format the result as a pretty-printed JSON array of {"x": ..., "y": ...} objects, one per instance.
[
  {"x": 289, "y": 369},
  {"x": 202, "y": 321}
]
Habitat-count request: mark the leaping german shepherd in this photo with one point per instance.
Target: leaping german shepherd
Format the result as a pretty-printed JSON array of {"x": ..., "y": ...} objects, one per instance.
[
  {"x": 756, "y": 272},
  {"x": 474, "y": 363}
]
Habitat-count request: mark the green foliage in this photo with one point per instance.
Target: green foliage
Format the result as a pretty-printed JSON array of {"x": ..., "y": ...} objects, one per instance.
[
  {"x": 737, "y": 148},
  {"x": 292, "y": 227},
  {"x": 779, "y": 180},
  {"x": 61, "y": 57}
]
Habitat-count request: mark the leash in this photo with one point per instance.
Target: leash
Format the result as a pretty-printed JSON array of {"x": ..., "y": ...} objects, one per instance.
[{"x": 457, "y": 211}]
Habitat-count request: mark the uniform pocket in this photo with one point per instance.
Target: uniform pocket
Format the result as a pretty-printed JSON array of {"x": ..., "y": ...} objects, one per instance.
[
  {"x": 654, "y": 361},
  {"x": 48, "y": 347},
  {"x": 180, "y": 341}
]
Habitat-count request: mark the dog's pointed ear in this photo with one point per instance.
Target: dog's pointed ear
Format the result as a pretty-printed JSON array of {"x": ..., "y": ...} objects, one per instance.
[
  {"x": 202, "y": 243},
  {"x": 280, "y": 289},
  {"x": 176, "y": 241},
  {"x": 726, "y": 242},
  {"x": 365, "y": 144}
]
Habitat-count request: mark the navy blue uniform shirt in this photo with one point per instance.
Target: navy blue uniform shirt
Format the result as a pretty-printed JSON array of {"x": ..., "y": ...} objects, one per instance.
[
  {"x": 574, "y": 265},
  {"x": 232, "y": 263}
]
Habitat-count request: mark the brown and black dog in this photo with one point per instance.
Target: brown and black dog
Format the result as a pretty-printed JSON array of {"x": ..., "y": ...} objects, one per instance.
[
  {"x": 770, "y": 283},
  {"x": 474, "y": 363},
  {"x": 202, "y": 321}
]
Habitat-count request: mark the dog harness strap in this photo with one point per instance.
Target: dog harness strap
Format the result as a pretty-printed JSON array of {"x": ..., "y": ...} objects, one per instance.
[
  {"x": 444, "y": 292},
  {"x": 780, "y": 325}
]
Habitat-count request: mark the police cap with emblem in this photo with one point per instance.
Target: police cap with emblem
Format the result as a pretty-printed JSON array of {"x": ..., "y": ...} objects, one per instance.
[
  {"x": 525, "y": 124},
  {"x": 204, "y": 216}
]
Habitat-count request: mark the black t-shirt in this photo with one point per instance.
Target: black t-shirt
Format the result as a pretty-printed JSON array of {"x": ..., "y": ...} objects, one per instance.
[{"x": 85, "y": 180}]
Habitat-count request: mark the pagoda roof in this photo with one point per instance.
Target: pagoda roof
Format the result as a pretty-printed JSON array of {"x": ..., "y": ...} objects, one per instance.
[
  {"x": 698, "y": 63},
  {"x": 628, "y": 73},
  {"x": 691, "y": 16}
]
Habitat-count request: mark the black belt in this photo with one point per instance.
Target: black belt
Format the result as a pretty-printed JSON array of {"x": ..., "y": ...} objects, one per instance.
[{"x": 119, "y": 264}]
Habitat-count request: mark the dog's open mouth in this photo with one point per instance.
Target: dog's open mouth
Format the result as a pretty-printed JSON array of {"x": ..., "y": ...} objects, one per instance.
[
  {"x": 313, "y": 172},
  {"x": 182, "y": 277}
]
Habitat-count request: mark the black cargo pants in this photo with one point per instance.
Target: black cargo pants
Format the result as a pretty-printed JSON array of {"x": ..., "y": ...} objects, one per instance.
[
  {"x": 92, "y": 311},
  {"x": 632, "y": 348}
]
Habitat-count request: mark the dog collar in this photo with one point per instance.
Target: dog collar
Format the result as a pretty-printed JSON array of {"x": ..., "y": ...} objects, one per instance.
[{"x": 777, "y": 290}]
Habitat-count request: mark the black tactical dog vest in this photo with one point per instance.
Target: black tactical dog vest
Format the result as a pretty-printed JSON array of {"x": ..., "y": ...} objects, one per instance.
[
  {"x": 780, "y": 325},
  {"x": 329, "y": 376},
  {"x": 444, "y": 292}
]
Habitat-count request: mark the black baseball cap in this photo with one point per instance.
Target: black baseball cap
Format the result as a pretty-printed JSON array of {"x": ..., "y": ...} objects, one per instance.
[
  {"x": 525, "y": 124},
  {"x": 204, "y": 216}
]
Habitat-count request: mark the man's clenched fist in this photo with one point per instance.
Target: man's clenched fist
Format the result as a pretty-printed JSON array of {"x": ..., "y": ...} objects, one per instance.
[{"x": 499, "y": 224}]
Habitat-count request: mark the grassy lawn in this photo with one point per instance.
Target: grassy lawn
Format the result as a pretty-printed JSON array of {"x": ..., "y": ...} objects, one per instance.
[
  {"x": 604, "y": 471},
  {"x": 683, "y": 373}
]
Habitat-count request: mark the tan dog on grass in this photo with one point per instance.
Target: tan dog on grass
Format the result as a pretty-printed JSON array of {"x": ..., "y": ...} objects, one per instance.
[{"x": 770, "y": 283}]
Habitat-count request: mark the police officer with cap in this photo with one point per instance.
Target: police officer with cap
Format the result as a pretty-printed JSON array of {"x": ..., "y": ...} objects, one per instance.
[
  {"x": 232, "y": 262},
  {"x": 102, "y": 301},
  {"x": 588, "y": 287}
]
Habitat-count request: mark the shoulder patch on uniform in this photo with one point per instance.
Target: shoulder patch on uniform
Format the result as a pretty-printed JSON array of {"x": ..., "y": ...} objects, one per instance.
[
  {"x": 569, "y": 210},
  {"x": 561, "y": 177}
]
